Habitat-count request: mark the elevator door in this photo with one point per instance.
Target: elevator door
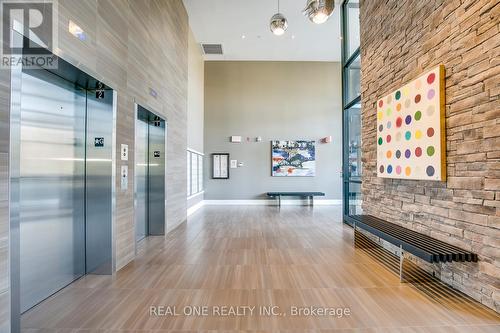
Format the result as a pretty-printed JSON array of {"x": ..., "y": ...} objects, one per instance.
[
  {"x": 156, "y": 177},
  {"x": 98, "y": 181},
  {"x": 141, "y": 178},
  {"x": 65, "y": 182},
  {"x": 51, "y": 186},
  {"x": 150, "y": 174}
]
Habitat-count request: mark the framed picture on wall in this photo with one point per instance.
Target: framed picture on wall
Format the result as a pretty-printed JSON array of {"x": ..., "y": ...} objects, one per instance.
[
  {"x": 411, "y": 141},
  {"x": 293, "y": 158},
  {"x": 220, "y": 166}
]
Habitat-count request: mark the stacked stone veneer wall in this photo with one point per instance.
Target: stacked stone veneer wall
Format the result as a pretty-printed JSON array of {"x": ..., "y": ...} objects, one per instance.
[{"x": 401, "y": 39}]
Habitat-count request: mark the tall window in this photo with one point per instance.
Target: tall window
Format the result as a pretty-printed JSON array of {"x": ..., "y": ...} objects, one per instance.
[
  {"x": 194, "y": 172},
  {"x": 351, "y": 98}
]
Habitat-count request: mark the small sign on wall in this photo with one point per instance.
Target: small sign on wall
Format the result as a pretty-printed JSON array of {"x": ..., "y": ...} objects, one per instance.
[
  {"x": 220, "y": 166},
  {"x": 98, "y": 142}
]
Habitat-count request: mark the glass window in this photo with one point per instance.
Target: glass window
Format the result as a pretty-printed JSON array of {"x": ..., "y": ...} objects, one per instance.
[
  {"x": 353, "y": 80},
  {"x": 354, "y": 142},
  {"x": 352, "y": 24},
  {"x": 354, "y": 197},
  {"x": 188, "y": 173},
  {"x": 194, "y": 173},
  {"x": 200, "y": 173},
  {"x": 351, "y": 64}
]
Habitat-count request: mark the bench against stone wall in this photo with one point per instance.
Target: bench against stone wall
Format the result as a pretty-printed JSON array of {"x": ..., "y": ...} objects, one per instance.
[{"x": 401, "y": 39}]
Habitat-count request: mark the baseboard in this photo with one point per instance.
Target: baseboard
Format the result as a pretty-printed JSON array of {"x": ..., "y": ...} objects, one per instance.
[
  {"x": 195, "y": 207},
  {"x": 266, "y": 202}
]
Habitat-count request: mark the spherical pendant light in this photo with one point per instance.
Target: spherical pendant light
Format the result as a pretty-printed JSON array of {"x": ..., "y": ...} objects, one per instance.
[
  {"x": 318, "y": 11},
  {"x": 278, "y": 23}
]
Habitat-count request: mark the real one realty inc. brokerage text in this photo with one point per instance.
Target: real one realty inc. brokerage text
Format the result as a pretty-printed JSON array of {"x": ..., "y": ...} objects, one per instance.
[{"x": 241, "y": 311}]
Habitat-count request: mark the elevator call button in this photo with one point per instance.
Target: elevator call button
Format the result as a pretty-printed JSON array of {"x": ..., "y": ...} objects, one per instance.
[
  {"x": 124, "y": 152},
  {"x": 157, "y": 153}
]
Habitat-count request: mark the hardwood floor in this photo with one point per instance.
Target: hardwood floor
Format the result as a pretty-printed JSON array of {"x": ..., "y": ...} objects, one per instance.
[{"x": 258, "y": 256}]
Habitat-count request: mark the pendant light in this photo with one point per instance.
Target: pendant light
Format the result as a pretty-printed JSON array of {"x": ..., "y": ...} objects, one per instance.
[
  {"x": 278, "y": 23},
  {"x": 318, "y": 11}
]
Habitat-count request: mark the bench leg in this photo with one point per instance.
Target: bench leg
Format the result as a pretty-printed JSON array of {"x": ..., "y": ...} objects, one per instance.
[
  {"x": 279, "y": 201},
  {"x": 354, "y": 225},
  {"x": 401, "y": 259},
  {"x": 312, "y": 201}
]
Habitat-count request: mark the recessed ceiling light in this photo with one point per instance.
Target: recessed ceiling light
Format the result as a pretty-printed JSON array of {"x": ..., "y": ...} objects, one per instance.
[
  {"x": 293, "y": 36},
  {"x": 243, "y": 36}
]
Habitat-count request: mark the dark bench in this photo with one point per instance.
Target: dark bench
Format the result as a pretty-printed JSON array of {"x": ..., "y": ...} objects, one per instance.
[
  {"x": 422, "y": 246},
  {"x": 310, "y": 195}
]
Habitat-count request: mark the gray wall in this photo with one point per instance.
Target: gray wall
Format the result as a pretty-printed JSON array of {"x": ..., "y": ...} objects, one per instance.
[
  {"x": 131, "y": 46},
  {"x": 274, "y": 100}
]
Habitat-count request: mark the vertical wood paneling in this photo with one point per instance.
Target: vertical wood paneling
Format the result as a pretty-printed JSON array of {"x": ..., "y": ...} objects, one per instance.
[{"x": 133, "y": 46}]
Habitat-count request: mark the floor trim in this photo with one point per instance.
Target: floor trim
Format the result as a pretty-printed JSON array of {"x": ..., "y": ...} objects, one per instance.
[
  {"x": 318, "y": 202},
  {"x": 191, "y": 210},
  {"x": 272, "y": 202}
]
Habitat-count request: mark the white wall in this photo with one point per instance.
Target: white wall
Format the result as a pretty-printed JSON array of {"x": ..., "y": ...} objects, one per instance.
[{"x": 195, "y": 104}]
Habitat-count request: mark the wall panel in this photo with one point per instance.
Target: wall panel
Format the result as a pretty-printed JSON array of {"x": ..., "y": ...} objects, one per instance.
[{"x": 132, "y": 46}]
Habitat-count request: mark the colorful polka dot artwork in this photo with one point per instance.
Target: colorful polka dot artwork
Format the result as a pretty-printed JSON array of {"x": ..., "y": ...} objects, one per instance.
[{"x": 410, "y": 136}]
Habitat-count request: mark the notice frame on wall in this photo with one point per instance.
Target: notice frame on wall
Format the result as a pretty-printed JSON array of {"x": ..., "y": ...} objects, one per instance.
[{"x": 220, "y": 166}]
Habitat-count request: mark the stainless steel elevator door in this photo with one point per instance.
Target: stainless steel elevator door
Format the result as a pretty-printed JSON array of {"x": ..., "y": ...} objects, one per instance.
[
  {"x": 141, "y": 178},
  {"x": 156, "y": 177},
  {"x": 51, "y": 186},
  {"x": 99, "y": 183}
]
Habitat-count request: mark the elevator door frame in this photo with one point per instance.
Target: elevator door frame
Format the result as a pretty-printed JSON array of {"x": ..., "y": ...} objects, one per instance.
[
  {"x": 14, "y": 195},
  {"x": 136, "y": 117}
]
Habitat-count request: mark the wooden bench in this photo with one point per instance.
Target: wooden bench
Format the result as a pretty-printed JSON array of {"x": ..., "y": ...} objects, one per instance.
[
  {"x": 309, "y": 195},
  {"x": 422, "y": 246}
]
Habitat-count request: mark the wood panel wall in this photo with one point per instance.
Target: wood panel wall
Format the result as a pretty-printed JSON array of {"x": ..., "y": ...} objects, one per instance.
[{"x": 132, "y": 46}]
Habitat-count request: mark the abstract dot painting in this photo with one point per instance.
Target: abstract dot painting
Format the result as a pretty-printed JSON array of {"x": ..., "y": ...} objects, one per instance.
[{"x": 417, "y": 112}]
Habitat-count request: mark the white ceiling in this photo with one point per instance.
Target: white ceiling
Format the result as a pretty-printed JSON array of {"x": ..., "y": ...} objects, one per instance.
[{"x": 226, "y": 21}]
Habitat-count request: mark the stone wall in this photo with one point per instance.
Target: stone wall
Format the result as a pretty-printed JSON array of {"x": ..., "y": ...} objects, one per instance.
[{"x": 401, "y": 39}]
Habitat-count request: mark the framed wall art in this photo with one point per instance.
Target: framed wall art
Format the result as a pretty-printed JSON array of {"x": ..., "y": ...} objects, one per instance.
[
  {"x": 411, "y": 141},
  {"x": 293, "y": 158}
]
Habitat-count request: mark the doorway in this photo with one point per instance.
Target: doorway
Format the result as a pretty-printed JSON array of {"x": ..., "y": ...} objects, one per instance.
[
  {"x": 149, "y": 174},
  {"x": 352, "y": 116},
  {"x": 62, "y": 135}
]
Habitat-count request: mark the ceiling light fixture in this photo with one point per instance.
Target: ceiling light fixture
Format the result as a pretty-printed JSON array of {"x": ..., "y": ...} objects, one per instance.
[
  {"x": 278, "y": 23},
  {"x": 318, "y": 11}
]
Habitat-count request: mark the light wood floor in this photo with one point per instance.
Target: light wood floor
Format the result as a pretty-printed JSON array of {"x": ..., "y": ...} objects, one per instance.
[{"x": 258, "y": 256}]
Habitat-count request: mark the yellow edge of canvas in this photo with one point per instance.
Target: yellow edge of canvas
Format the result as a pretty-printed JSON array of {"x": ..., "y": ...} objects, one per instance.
[{"x": 442, "y": 111}]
